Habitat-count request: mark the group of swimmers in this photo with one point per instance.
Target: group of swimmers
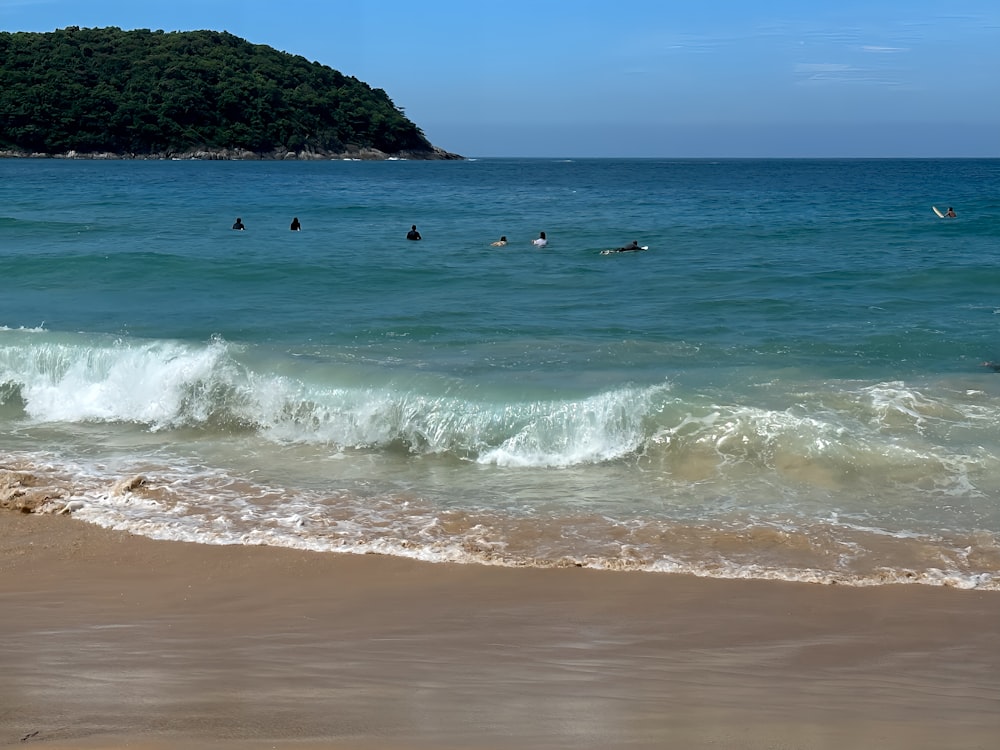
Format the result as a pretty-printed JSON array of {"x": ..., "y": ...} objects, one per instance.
[
  {"x": 413, "y": 234},
  {"x": 540, "y": 241}
]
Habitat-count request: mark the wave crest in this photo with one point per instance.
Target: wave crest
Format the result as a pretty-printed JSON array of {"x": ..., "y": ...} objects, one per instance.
[{"x": 170, "y": 385}]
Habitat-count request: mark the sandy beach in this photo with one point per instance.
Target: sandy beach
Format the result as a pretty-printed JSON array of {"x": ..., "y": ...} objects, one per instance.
[{"x": 112, "y": 640}]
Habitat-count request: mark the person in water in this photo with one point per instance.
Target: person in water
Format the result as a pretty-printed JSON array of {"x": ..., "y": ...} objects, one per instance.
[
  {"x": 629, "y": 248},
  {"x": 413, "y": 234},
  {"x": 950, "y": 213},
  {"x": 500, "y": 242},
  {"x": 296, "y": 227},
  {"x": 239, "y": 225},
  {"x": 541, "y": 241}
]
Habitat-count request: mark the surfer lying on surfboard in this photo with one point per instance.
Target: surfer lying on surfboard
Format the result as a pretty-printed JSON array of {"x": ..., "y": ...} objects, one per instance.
[{"x": 633, "y": 248}]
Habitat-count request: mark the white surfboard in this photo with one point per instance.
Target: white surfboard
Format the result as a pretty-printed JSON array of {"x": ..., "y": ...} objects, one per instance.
[{"x": 940, "y": 215}]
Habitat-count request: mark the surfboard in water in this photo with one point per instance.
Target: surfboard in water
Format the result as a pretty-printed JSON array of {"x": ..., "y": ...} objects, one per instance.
[{"x": 935, "y": 209}]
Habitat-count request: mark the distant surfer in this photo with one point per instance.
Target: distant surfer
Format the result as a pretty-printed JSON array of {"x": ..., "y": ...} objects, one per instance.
[
  {"x": 500, "y": 242},
  {"x": 541, "y": 241},
  {"x": 633, "y": 248},
  {"x": 995, "y": 366},
  {"x": 950, "y": 213},
  {"x": 296, "y": 227},
  {"x": 239, "y": 225},
  {"x": 629, "y": 248},
  {"x": 413, "y": 234}
]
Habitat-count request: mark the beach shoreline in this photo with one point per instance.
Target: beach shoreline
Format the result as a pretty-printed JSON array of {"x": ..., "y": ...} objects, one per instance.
[{"x": 114, "y": 640}]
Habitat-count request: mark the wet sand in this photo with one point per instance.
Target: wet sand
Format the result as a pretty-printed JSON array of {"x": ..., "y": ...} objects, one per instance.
[{"x": 108, "y": 640}]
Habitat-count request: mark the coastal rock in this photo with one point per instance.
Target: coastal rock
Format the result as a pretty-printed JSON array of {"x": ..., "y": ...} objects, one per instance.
[
  {"x": 22, "y": 491},
  {"x": 26, "y": 492},
  {"x": 128, "y": 485}
]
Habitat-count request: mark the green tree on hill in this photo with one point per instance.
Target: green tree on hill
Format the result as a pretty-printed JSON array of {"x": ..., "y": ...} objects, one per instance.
[{"x": 150, "y": 92}]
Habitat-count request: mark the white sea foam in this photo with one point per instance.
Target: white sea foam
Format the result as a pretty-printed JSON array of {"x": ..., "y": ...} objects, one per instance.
[
  {"x": 168, "y": 385},
  {"x": 640, "y": 467},
  {"x": 289, "y": 531},
  {"x": 199, "y": 504},
  {"x": 592, "y": 430},
  {"x": 121, "y": 382}
]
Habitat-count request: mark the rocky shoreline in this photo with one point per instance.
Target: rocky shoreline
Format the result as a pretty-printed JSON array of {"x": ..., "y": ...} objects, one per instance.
[
  {"x": 237, "y": 154},
  {"x": 38, "y": 491}
]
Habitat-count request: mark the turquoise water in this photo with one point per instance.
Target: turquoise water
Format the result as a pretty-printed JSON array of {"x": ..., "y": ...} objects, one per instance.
[{"x": 787, "y": 384}]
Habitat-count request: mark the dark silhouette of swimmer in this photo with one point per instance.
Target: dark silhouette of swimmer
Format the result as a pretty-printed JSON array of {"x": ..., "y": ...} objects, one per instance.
[
  {"x": 950, "y": 213},
  {"x": 500, "y": 242},
  {"x": 296, "y": 227},
  {"x": 541, "y": 241},
  {"x": 239, "y": 224},
  {"x": 995, "y": 366},
  {"x": 413, "y": 234}
]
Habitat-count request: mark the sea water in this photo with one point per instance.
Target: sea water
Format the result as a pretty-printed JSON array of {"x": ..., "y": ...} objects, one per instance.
[{"x": 788, "y": 384}]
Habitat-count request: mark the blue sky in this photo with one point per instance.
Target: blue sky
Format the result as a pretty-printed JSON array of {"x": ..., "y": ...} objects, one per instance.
[{"x": 657, "y": 78}]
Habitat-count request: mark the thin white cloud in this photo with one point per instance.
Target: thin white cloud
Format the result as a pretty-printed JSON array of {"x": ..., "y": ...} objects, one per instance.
[
  {"x": 842, "y": 73},
  {"x": 883, "y": 50},
  {"x": 693, "y": 43},
  {"x": 823, "y": 68}
]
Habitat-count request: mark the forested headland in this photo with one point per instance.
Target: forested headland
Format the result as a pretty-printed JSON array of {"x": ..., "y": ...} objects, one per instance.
[{"x": 156, "y": 94}]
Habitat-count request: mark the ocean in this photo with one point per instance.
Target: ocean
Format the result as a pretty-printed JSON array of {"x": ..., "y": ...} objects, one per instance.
[{"x": 788, "y": 384}]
